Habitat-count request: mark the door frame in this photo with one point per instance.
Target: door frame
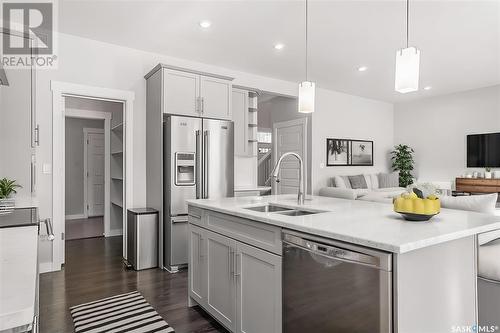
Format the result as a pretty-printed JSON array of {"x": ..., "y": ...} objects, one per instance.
[
  {"x": 299, "y": 121},
  {"x": 106, "y": 132},
  {"x": 60, "y": 90}
]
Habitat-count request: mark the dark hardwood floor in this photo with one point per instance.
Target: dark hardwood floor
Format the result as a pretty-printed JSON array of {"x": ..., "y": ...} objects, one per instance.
[{"x": 94, "y": 270}]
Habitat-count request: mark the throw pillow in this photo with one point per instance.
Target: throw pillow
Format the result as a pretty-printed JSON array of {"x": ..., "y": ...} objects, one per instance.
[
  {"x": 475, "y": 203},
  {"x": 339, "y": 182},
  {"x": 374, "y": 178},
  {"x": 386, "y": 180},
  {"x": 368, "y": 180},
  {"x": 347, "y": 182},
  {"x": 358, "y": 182}
]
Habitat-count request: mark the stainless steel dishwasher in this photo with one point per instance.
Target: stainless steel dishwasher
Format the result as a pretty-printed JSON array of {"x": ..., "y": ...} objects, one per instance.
[{"x": 331, "y": 286}]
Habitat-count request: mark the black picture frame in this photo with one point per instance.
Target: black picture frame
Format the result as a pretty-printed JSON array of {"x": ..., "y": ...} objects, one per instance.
[
  {"x": 339, "y": 147},
  {"x": 360, "y": 160},
  {"x": 346, "y": 148}
]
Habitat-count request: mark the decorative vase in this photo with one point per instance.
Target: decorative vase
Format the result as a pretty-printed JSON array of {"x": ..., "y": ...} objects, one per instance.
[
  {"x": 487, "y": 174},
  {"x": 7, "y": 206}
]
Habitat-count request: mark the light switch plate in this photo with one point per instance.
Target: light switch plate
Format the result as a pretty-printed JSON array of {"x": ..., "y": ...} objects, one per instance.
[
  {"x": 47, "y": 168},
  {"x": 321, "y": 165}
]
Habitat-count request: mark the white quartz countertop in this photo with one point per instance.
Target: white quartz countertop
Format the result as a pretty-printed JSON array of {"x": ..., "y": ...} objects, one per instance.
[
  {"x": 18, "y": 272},
  {"x": 369, "y": 224}
]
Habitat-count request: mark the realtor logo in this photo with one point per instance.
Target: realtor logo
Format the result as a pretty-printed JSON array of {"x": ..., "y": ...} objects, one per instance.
[
  {"x": 28, "y": 37},
  {"x": 36, "y": 20}
]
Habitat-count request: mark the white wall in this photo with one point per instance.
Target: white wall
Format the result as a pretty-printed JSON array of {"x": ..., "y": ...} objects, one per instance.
[
  {"x": 339, "y": 115},
  {"x": 437, "y": 127},
  {"x": 74, "y": 181}
]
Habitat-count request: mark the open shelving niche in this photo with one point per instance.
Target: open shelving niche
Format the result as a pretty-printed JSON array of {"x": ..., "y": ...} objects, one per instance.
[{"x": 117, "y": 213}]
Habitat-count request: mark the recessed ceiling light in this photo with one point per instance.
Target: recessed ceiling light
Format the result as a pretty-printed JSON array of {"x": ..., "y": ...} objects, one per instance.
[
  {"x": 279, "y": 46},
  {"x": 205, "y": 24},
  {"x": 362, "y": 68},
  {"x": 428, "y": 88}
]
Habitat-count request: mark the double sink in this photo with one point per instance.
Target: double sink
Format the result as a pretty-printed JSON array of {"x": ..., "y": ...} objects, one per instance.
[{"x": 271, "y": 208}]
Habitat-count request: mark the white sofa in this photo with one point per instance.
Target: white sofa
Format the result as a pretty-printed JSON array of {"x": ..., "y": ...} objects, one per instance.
[{"x": 339, "y": 189}]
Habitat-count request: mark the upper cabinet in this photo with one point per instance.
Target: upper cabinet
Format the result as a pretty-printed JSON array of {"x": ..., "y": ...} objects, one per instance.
[
  {"x": 192, "y": 93},
  {"x": 215, "y": 97},
  {"x": 181, "y": 91}
]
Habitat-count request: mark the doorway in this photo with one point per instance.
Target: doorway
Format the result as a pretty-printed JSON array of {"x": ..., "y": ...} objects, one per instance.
[
  {"x": 85, "y": 178},
  {"x": 281, "y": 129},
  {"x": 94, "y": 181}
]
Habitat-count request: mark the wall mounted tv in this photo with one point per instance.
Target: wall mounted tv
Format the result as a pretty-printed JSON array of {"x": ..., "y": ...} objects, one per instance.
[{"x": 483, "y": 150}]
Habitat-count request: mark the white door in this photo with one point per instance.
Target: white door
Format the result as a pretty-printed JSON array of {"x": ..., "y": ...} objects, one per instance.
[
  {"x": 95, "y": 174},
  {"x": 216, "y": 97},
  {"x": 289, "y": 136},
  {"x": 181, "y": 92}
]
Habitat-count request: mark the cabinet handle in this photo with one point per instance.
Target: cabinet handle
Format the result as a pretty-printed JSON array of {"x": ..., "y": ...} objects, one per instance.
[
  {"x": 37, "y": 135},
  {"x": 197, "y": 166},
  {"x": 201, "y": 253},
  {"x": 237, "y": 270},
  {"x": 231, "y": 263},
  {"x": 202, "y": 105}
]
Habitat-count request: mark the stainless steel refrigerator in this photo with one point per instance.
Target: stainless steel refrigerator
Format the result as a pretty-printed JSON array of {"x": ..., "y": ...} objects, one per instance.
[{"x": 198, "y": 164}]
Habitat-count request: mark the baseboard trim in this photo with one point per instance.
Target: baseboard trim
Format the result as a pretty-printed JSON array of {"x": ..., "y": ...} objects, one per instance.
[
  {"x": 114, "y": 232},
  {"x": 75, "y": 216},
  {"x": 45, "y": 267}
]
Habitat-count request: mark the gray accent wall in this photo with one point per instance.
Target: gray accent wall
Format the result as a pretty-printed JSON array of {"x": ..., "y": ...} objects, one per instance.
[{"x": 74, "y": 162}]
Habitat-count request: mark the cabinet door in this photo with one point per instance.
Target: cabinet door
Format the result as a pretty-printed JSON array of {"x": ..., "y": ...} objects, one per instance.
[
  {"x": 240, "y": 118},
  {"x": 196, "y": 264},
  {"x": 216, "y": 97},
  {"x": 258, "y": 289},
  {"x": 180, "y": 92},
  {"x": 221, "y": 296}
]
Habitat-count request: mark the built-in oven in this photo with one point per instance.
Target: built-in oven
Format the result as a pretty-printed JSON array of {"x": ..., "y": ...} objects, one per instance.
[{"x": 331, "y": 286}]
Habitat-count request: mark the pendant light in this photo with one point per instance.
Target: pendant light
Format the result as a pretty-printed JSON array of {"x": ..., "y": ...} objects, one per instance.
[
  {"x": 306, "y": 88},
  {"x": 407, "y": 63}
]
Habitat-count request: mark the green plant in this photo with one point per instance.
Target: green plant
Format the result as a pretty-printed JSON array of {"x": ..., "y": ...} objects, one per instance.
[
  {"x": 402, "y": 161},
  {"x": 488, "y": 169},
  {"x": 7, "y": 187}
]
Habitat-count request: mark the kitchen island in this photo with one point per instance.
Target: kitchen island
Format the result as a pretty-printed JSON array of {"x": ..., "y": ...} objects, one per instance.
[{"x": 425, "y": 272}]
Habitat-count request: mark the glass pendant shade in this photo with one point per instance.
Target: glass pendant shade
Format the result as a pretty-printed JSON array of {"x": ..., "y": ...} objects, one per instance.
[
  {"x": 407, "y": 70},
  {"x": 306, "y": 96}
]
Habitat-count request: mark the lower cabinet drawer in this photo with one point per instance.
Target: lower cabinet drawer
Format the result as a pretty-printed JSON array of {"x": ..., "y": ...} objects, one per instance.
[{"x": 260, "y": 235}]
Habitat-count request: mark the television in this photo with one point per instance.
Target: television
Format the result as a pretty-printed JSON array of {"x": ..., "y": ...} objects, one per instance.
[{"x": 483, "y": 150}]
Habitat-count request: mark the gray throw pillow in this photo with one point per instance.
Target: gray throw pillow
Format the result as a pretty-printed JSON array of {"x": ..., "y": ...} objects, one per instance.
[
  {"x": 358, "y": 182},
  {"x": 347, "y": 182},
  {"x": 386, "y": 180}
]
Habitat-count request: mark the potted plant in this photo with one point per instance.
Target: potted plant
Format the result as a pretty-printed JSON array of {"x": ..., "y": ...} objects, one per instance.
[
  {"x": 7, "y": 190},
  {"x": 487, "y": 173},
  {"x": 402, "y": 161}
]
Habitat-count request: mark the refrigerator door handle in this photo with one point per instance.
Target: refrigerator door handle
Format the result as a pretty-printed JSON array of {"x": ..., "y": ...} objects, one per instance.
[
  {"x": 198, "y": 171},
  {"x": 205, "y": 163}
]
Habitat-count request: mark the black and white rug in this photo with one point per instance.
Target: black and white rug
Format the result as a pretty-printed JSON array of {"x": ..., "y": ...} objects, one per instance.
[{"x": 118, "y": 314}]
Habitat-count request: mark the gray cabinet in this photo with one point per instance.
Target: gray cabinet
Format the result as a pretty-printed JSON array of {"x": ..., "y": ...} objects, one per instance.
[
  {"x": 220, "y": 275},
  {"x": 237, "y": 283},
  {"x": 258, "y": 290},
  {"x": 187, "y": 92},
  {"x": 196, "y": 281},
  {"x": 215, "y": 95},
  {"x": 181, "y": 91}
]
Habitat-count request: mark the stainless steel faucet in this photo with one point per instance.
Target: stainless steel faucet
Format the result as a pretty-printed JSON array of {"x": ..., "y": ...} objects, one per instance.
[{"x": 302, "y": 181}]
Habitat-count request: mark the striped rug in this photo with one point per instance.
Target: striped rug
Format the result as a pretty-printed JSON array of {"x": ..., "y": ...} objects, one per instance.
[{"x": 118, "y": 314}]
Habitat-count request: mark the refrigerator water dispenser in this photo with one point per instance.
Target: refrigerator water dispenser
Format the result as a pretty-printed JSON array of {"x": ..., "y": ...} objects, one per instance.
[{"x": 185, "y": 169}]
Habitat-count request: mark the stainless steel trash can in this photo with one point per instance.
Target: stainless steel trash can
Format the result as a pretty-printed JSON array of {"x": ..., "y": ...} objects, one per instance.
[{"x": 142, "y": 238}]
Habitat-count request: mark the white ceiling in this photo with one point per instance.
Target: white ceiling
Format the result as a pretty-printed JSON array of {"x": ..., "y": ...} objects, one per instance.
[{"x": 459, "y": 40}]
